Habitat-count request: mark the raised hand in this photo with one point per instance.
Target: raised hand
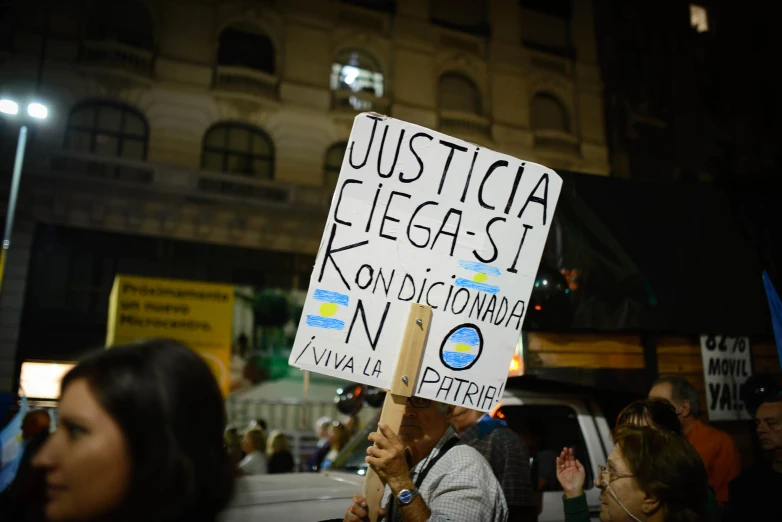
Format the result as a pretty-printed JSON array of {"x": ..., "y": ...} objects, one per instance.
[
  {"x": 570, "y": 474},
  {"x": 387, "y": 458}
]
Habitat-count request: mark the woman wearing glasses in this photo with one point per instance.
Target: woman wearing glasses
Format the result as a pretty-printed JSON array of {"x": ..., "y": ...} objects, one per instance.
[
  {"x": 651, "y": 475},
  {"x": 657, "y": 414}
]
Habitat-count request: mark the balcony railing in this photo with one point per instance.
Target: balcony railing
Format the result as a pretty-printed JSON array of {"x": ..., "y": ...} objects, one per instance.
[
  {"x": 558, "y": 142},
  {"x": 464, "y": 122},
  {"x": 162, "y": 179},
  {"x": 349, "y": 101},
  {"x": 91, "y": 166},
  {"x": 245, "y": 79},
  {"x": 117, "y": 55}
]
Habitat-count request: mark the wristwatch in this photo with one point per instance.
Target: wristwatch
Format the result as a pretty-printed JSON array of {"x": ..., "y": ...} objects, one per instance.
[{"x": 406, "y": 496}]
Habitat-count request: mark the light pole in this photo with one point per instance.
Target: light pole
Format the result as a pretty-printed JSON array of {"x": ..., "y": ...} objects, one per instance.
[{"x": 11, "y": 108}]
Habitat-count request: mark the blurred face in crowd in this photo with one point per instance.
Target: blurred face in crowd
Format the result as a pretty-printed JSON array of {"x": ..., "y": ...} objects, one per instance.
[
  {"x": 619, "y": 489},
  {"x": 665, "y": 391},
  {"x": 768, "y": 420},
  {"x": 423, "y": 423},
  {"x": 461, "y": 418},
  {"x": 86, "y": 461}
]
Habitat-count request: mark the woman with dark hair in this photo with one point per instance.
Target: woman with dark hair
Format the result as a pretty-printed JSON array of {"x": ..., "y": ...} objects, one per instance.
[
  {"x": 654, "y": 474},
  {"x": 656, "y": 414},
  {"x": 139, "y": 437}
]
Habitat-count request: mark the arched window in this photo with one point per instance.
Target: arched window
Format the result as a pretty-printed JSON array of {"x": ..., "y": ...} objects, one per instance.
[
  {"x": 356, "y": 71},
  {"x": 459, "y": 93},
  {"x": 107, "y": 129},
  {"x": 243, "y": 45},
  {"x": 333, "y": 164},
  {"x": 547, "y": 113},
  {"x": 238, "y": 148},
  {"x": 124, "y": 21}
]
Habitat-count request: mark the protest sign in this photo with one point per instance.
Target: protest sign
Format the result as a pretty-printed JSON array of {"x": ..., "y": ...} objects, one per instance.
[
  {"x": 727, "y": 364},
  {"x": 421, "y": 217},
  {"x": 199, "y": 315}
]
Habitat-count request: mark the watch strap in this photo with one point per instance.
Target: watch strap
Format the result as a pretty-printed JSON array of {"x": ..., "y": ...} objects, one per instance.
[{"x": 406, "y": 496}]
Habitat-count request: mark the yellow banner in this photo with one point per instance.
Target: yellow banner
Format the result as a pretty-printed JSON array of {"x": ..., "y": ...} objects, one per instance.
[{"x": 199, "y": 315}]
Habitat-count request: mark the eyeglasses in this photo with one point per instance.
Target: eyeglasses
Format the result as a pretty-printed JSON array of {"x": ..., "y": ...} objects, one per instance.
[
  {"x": 419, "y": 403},
  {"x": 606, "y": 475}
]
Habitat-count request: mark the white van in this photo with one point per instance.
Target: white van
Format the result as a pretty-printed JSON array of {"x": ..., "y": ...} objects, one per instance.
[{"x": 546, "y": 421}]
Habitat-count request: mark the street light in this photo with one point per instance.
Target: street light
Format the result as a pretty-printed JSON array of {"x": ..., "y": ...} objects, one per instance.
[{"x": 11, "y": 108}]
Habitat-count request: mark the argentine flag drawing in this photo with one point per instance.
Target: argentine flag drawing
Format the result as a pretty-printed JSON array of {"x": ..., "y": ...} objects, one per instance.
[{"x": 331, "y": 302}]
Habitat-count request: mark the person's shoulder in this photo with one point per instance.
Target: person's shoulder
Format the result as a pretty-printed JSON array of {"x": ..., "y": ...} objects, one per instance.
[
  {"x": 246, "y": 462},
  {"x": 464, "y": 465},
  {"x": 725, "y": 438},
  {"x": 507, "y": 434},
  {"x": 507, "y": 438},
  {"x": 464, "y": 457}
]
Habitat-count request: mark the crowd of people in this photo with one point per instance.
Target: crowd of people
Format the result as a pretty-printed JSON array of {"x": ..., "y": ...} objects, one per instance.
[
  {"x": 255, "y": 453},
  {"x": 449, "y": 463},
  {"x": 142, "y": 435}
]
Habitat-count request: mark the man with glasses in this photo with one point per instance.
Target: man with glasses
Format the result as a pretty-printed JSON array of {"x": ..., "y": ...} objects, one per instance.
[{"x": 427, "y": 476}]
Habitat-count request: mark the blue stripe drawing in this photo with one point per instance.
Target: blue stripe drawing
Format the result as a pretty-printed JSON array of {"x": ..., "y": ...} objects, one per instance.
[
  {"x": 466, "y": 335},
  {"x": 478, "y": 281},
  {"x": 481, "y": 268},
  {"x": 328, "y": 323},
  {"x": 328, "y": 296},
  {"x": 330, "y": 307},
  {"x": 482, "y": 287}
]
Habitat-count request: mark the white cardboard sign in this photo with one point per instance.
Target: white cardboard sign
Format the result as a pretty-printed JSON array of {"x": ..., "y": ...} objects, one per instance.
[
  {"x": 727, "y": 364},
  {"x": 418, "y": 216}
]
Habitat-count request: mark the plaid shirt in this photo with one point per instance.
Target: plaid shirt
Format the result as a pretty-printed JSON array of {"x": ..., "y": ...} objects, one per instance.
[
  {"x": 507, "y": 455},
  {"x": 460, "y": 487}
]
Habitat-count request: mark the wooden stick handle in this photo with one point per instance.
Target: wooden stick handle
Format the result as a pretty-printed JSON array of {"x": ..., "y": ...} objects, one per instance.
[
  {"x": 405, "y": 375},
  {"x": 393, "y": 411}
]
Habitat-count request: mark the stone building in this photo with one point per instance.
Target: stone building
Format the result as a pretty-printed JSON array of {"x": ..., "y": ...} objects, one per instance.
[{"x": 202, "y": 139}]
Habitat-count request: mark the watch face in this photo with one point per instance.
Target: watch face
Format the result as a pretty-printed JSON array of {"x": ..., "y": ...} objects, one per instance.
[{"x": 405, "y": 496}]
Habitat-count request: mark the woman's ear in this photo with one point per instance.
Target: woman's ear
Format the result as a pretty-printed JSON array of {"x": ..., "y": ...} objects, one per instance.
[{"x": 651, "y": 505}]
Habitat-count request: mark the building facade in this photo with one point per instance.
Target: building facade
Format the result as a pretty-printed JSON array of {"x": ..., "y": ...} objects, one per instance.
[
  {"x": 185, "y": 131},
  {"x": 688, "y": 95}
]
